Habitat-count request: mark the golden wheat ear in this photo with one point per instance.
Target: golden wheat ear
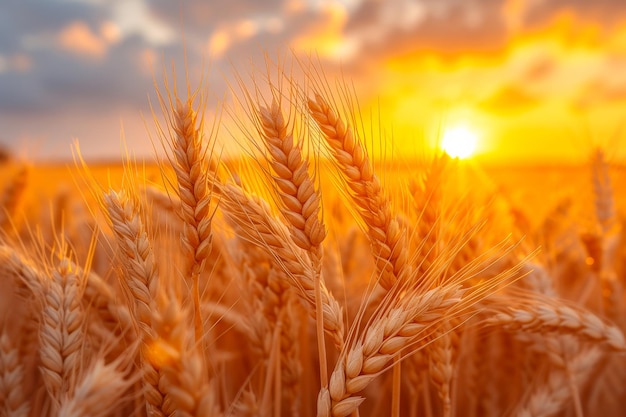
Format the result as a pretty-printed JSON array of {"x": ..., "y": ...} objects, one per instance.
[
  {"x": 190, "y": 155},
  {"x": 141, "y": 284},
  {"x": 254, "y": 219},
  {"x": 62, "y": 333},
  {"x": 386, "y": 233},
  {"x": 102, "y": 387},
  {"x": 14, "y": 401}
]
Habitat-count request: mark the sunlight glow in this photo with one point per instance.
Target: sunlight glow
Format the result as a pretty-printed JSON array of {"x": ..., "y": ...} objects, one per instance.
[{"x": 459, "y": 142}]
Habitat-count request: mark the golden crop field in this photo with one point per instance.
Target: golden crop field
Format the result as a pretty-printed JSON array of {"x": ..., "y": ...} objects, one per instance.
[{"x": 311, "y": 276}]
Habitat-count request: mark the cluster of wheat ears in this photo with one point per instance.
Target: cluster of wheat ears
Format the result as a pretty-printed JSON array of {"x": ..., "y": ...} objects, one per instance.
[{"x": 226, "y": 289}]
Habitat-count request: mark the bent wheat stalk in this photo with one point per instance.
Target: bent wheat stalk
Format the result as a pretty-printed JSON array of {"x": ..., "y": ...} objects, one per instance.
[
  {"x": 386, "y": 336},
  {"x": 386, "y": 233},
  {"x": 260, "y": 227}
]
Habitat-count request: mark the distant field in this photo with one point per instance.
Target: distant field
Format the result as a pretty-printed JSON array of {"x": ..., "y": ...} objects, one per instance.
[{"x": 295, "y": 285}]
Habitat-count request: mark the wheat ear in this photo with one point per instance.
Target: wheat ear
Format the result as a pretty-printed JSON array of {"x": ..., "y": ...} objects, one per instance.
[
  {"x": 301, "y": 203},
  {"x": 184, "y": 376},
  {"x": 61, "y": 334},
  {"x": 547, "y": 398},
  {"x": 385, "y": 231},
  {"x": 13, "y": 400},
  {"x": 603, "y": 192},
  {"x": 538, "y": 316},
  {"x": 192, "y": 167},
  {"x": 428, "y": 206},
  {"x": 99, "y": 391},
  {"x": 260, "y": 227},
  {"x": 384, "y": 338},
  {"x": 137, "y": 256},
  {"x": 442, "y": 355},
  {"x": 11, "y": 197},
  {"x": 141, "y": 282},
  {"x": 29, "y": 280}
]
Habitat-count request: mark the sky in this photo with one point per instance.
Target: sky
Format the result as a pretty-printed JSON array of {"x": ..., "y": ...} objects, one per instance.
[{"x": 535, "y": 80}]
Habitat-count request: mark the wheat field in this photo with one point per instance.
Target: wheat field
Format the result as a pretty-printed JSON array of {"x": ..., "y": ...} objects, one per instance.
[{"x": 309, "y": 277}]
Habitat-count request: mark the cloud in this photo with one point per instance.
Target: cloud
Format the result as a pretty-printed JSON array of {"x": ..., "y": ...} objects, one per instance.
[
  {"x": 95, "y": 56},
  {"x": 539, "y": 69},
  {"x": 225, "y": 35},
  {"x": 510, "y": 99},
  {"x": 325, "y": 34},
  {"x": 78, "y": 38},
  {"x": 446, "y": 26},
  {"x": 598, "y": 93},
  {"x": 135, "y": 17},
  {"x": 15, "y": 63}
]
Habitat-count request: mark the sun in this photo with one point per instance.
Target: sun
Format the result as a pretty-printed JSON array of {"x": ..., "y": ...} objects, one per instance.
[{"x": 459, "y": 142}]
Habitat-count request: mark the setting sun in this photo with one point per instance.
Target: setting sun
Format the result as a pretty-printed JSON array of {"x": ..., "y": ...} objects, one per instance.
[{"x": 459, "y": 142}]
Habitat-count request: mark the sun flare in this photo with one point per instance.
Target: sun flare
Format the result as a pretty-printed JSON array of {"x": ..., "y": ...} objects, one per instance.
[{"x": 459, "y": 142}]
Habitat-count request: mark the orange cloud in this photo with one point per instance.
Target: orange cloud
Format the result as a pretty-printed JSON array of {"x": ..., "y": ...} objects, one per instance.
[
  {"x": 326, "y": 36},
  {"x": 79, "y": 39},
  {"x": 16, "y": 62},
  {"x": 599, "y": 93},
  {"x": 230, "y": 33},
  {"x": 219, "y": 42},
  {"x": 110, "y": 32},
  {"x": 510, "y": 99}
]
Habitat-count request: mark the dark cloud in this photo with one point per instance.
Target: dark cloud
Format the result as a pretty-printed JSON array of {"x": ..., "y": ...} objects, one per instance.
[
  {"x": 59, "y": 80},
  {"x": 29, "y": 18},
  {"x": 198, "y": 16},
  {"x": 448, "y": 28}
]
